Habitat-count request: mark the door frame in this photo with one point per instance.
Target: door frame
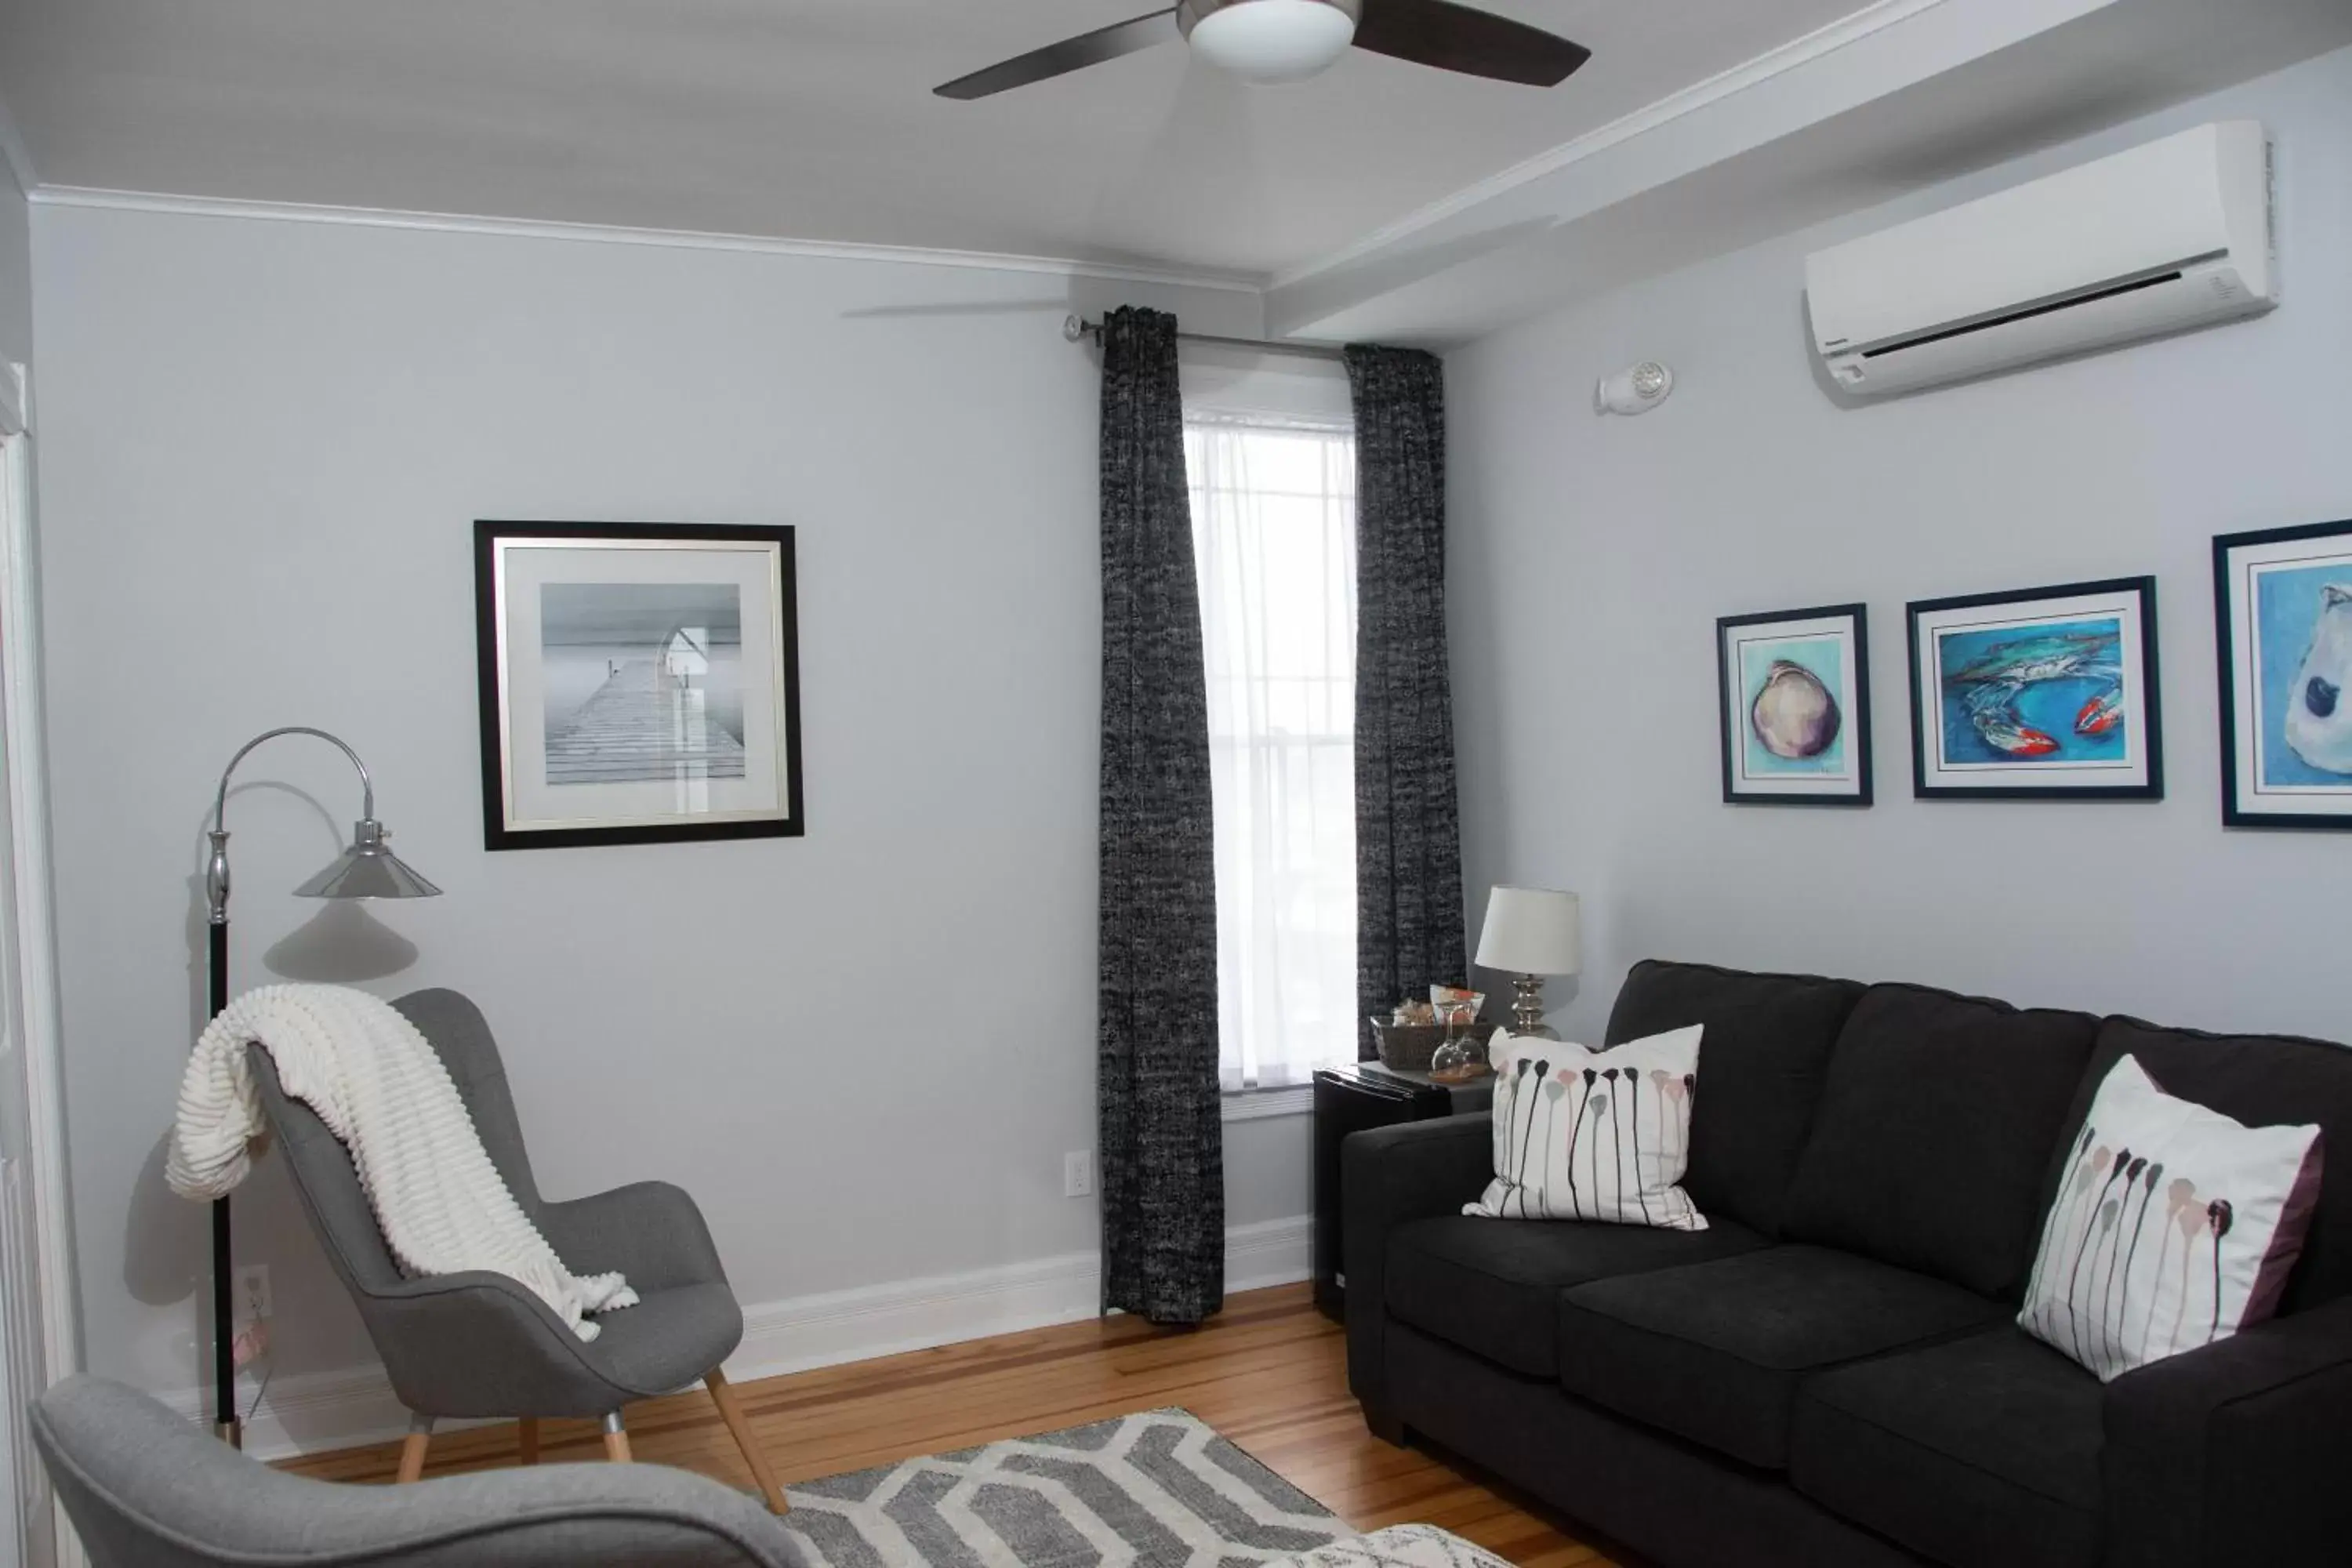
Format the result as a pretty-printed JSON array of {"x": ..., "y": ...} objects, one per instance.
[{"x": 36, "y": 970}]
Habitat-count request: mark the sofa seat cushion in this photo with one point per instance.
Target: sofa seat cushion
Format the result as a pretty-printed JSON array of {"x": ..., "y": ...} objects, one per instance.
[
  {"x": 1934, "y": 1132},
  {"x": 1492, "y": 1285},
  {"x": 1983, "y": 1451},
  {"x": 1715, "y": 1351},
  {"x": 1760, "y": 1068}
]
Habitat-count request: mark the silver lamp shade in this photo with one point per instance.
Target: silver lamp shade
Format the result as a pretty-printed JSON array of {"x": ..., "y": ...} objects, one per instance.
[{"x": 368, "y": 869}]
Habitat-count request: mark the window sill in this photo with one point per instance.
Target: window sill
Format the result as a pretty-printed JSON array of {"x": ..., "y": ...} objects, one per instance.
[{"x": 1255, "y": 1104}]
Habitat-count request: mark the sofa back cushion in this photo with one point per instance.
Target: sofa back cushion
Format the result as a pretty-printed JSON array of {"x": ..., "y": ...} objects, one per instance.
[
  {"x": 2262, "y": 1080},
  {"x": 1934, "y": 1134},
  {"x": 1760, "y": 1068}
]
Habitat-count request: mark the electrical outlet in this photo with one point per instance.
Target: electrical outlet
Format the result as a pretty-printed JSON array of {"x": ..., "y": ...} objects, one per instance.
[
  {"x": 1078, "y": 1174},
  {"x": 253, "y": 1292}
]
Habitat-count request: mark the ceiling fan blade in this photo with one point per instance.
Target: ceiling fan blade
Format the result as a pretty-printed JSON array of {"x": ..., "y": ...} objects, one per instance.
[
  {"x": 1069, "y": 54},
  {"x": 1476, "y": 43}
]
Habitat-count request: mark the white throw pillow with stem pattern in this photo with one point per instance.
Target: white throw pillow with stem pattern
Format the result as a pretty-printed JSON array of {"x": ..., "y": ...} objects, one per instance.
[
  {"x": 1597, "y": 1135},
  {"x": 2173, "y": 1226}
]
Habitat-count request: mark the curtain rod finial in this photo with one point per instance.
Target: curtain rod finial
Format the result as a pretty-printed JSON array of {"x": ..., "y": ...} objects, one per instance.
[{"x": 1073, "y": 328}]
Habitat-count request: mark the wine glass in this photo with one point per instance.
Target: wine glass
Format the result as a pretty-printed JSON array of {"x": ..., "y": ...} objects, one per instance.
[{"x": 1458, "y": 1054}]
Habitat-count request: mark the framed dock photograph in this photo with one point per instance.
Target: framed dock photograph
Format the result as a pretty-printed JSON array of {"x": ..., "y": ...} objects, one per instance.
[{"x": 639, "y": 683}]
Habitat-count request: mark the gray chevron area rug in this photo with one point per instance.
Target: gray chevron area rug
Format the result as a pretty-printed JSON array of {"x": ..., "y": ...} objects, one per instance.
[{"x": 1159, "y": 1489}]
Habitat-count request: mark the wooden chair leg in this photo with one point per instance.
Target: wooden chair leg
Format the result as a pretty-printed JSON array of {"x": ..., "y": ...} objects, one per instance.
[
  {"x": 527, "y": 1439},
  {"x": 722, "y": 1393},
  {"x": 412, "y": 1448},
  {"x": 617, "y": 1439}
]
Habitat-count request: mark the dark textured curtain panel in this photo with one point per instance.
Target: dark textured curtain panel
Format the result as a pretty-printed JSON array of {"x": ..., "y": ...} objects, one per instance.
[
  {"x": 1408, "y": 913},
  {"x": 1164, "y": 1183}
]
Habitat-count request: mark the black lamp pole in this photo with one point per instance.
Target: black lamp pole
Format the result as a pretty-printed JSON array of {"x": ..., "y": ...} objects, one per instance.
[
  {"x": 368, "y": 869},
  {"x": 225, "y": 1425}
]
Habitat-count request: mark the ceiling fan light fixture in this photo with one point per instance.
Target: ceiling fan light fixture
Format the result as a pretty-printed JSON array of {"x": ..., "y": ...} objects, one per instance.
[{"x": 1270, "y": 40}]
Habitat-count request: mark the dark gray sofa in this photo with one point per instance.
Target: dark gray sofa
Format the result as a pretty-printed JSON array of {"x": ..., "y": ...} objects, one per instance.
[{"x": 1832, "y": 1373}]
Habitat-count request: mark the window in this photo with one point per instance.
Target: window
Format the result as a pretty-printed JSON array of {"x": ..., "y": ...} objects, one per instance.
[{"x": 1274, "y": 535}]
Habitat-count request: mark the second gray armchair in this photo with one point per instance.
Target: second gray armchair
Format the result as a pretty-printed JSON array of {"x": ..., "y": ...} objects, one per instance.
[
  {"x": 147, "y": 1490},
  {"x": 480, "y": 1344}
]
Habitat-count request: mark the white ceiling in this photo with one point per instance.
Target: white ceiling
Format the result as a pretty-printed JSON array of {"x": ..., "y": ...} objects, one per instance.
[
  {"x": 813, "y": 119},
  {"x": 1904, "y": 97}
]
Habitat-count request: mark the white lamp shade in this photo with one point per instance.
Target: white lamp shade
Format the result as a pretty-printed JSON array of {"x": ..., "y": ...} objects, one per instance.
[
  {"x": 1275, "y": 40},
  {"x": 1532, "y": 931}
]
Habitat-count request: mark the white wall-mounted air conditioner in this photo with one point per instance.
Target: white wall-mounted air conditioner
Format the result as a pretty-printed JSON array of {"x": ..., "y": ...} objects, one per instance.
[{"x": 2175, "y": 233}]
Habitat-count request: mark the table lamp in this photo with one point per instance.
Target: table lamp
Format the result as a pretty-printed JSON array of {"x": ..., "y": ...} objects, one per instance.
[
  {"x": 1531, "y": 933},
  {"x": 368, "y": 869}
]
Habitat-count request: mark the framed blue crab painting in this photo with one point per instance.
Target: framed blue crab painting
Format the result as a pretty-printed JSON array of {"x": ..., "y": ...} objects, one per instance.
[
  {"x": 1795, "y": 725},
  {"x": 2282, "y": 616},
  {"x": 2040, "y": 694}
]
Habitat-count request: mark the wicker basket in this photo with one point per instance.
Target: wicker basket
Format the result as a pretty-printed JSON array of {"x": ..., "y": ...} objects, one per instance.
[{"x": 1408, "y": 1047}]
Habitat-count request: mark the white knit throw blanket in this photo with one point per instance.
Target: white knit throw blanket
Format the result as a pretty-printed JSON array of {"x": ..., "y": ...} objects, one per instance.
[{"x": 379, "y": 1087}]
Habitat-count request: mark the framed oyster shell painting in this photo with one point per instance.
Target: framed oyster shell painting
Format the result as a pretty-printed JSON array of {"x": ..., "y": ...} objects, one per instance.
[
  {"x": 1795, "y": 723},
  {"x": 2283, "y": 612}
]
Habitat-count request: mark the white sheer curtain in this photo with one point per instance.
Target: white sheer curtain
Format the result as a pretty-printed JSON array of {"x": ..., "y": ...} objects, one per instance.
[{"x": 1274, "y": 532}]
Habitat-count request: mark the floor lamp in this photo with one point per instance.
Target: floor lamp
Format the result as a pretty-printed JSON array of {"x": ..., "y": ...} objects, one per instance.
[{"x": 368, "y": 869}]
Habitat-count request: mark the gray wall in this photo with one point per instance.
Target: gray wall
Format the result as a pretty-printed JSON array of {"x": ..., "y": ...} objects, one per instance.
[
  {"x": 265, "y": 445},
  {"x": 1592, "y": 557}
]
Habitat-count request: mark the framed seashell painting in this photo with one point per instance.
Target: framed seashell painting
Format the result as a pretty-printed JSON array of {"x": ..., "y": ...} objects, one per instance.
[
  {"x": 1795, "y": 725},
  {"x": 2283, "y": 612}
]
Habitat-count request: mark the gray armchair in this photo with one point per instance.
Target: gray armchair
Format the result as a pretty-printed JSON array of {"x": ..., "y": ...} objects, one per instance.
[
  {"x": 480, "y": 1344},
  {"x": 146, "y": 1489}
]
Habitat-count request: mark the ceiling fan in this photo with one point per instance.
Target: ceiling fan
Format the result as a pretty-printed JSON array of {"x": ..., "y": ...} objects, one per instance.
[{"x": 1289, "y": 40}]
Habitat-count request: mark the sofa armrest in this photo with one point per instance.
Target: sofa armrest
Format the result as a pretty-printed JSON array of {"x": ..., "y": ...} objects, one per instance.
[
  {"x": 1388, "y": 1175},
  {"x": 2231, "y": 1453}
]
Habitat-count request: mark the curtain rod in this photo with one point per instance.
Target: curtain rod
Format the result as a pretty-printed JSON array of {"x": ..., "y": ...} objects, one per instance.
[{"x": 1076, "y": 327}]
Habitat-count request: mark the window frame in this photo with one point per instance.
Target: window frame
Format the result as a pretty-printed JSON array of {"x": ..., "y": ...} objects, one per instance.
[{"x": 1253, "y": 1102}]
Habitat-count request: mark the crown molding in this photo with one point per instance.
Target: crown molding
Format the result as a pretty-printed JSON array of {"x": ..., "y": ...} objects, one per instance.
[
  {"x": 603, "y": 234},
  {"x": 1777, "y": 61}
]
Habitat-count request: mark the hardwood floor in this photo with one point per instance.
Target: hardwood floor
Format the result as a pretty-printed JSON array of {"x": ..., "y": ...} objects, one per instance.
[{"x": 1269, "y": 1373}]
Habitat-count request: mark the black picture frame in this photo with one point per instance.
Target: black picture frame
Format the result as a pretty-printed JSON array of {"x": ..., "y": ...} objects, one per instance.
[
  {"x": 1855, "y": 713},
  {"x": 501, "y": 830},
  {"x": 2007, "y": 782},
  {"x": 2236, "y": 636}
]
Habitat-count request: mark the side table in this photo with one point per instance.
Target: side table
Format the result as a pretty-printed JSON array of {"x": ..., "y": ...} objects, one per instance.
[{"x": 1355, "y": 1098}]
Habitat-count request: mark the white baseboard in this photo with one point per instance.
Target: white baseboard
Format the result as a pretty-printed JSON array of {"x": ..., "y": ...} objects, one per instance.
[
  {"x": 1271, "y": 1252},
  {"x": 322, "y": 1411}
]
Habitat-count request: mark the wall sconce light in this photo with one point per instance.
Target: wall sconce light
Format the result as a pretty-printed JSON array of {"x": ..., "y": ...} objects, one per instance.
[{"x": 1636, "y": 389}]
